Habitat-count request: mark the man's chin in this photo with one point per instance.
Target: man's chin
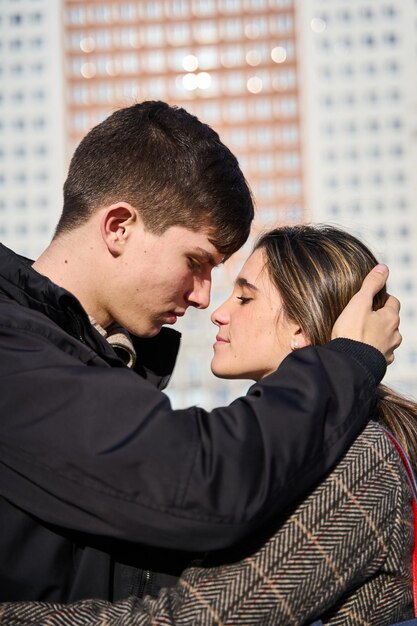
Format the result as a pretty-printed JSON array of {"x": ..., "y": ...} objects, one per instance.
[
  {"x": 147, "y": 332},
  {"x": 152, "y": 332}
]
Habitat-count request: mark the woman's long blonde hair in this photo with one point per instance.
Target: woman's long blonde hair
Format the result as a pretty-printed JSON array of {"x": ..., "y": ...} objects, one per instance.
[{"x": 317, "y": 270}]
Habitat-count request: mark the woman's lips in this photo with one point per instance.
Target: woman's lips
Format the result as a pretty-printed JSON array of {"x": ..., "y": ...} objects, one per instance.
[{"x": 220, "y": 341}]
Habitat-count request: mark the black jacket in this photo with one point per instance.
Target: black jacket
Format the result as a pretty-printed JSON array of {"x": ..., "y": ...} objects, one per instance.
[{"x": 93, "y": 459}]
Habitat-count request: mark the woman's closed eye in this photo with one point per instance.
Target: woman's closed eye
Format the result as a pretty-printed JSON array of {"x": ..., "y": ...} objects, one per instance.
[{"x": 243, "y": 299}]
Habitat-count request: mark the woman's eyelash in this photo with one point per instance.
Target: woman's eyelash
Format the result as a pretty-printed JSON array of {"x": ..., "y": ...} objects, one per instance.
[{"x": 243, "y": 300}]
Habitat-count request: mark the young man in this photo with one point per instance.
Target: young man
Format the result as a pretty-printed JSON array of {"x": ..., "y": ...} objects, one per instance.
[{"x": 98, "y": 475}]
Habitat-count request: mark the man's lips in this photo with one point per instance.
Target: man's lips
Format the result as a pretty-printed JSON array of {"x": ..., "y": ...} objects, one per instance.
[{"x": 172, "y": 316}]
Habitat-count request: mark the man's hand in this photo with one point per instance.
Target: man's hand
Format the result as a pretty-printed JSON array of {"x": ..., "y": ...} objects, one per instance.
[{"x": 377, "y": 328}]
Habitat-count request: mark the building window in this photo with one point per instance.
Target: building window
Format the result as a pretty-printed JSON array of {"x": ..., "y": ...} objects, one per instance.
[
  {"x": 16, "y": 19},
  {"x": 18, "y": 124},
  {"x": 17, "y": 97},
  {"x": 234, "y": 82},
  {"x": 153, "y": 35},
  {"x": 36, "y": 43},
  {"x": 178, "y": 33},
  {"x": 231, "y": 29},
  {"x": 16, "y": 69},
  {"x": 103, "y": 38},
  {"x": 391, "y": 39},
  {"x": 289, "y": 134},
  {"x": 41, "y": 202},
  {"x": 36, "y": 18},
  {"x": 152, "y": 10},
  {"x": 15, "y": 45},
  {"x": 203, "y": 7},
  {"x": 37, "y": 68},
  {"x": 20, "y": 177},
  {"x": 40, "y": 150},
  {"x": 230, "y": 6},
  {"x": 389, "y": 11},
  {"x": 39, "y": 123},
  {"x": 179, "y": 8},
  {"x": 266, "y": 188},
  {"x": 292, "y": 187},
  {"x": 39, "y": 95},
  {"x": 291, "y": 160},
  {"x": 392, "y": 67},
  {"x": 127, "y": 11},
  {"x": 281, "y": 24},
  {"x": 21, "y": 204},
  {"x": 232, "y": 56},
  {"x": 102, "y": 13}
]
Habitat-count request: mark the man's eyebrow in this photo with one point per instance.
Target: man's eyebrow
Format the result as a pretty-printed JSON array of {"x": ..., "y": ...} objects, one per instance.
[
  {"x": 242, "y": 282},
  {"x": 206, "y": 256}
]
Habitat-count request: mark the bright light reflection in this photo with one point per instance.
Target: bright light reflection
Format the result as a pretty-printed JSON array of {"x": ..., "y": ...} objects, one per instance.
[
  {"x": 189, "y": 82},
  {"x": 88, "y": 70},
  {"x": 112, "y": 68},
  {"x": 251, "y": 31},
  {"x": 278, "y": 54},
  {"x": 87, "y": 44},
  {"x": 203, "y": 80},
  {"x": 254, "y": 84},
  {"x": 190, "y": 63},
  {"x": 318, "y": 25}
]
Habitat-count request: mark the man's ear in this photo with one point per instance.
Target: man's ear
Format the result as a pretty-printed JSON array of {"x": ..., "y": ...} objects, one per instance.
[
  {"x": 299, "y": 339},
  {"x": 116, "y": 226}
]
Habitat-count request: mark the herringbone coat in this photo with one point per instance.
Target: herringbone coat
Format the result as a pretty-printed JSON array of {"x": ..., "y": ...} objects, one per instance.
[{"x": 343, "y": 555}]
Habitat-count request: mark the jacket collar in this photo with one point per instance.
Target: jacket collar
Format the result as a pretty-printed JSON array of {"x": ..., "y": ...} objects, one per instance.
[
  {"x": 20, "y": 282},
  {"x": 30, "y": 289}
]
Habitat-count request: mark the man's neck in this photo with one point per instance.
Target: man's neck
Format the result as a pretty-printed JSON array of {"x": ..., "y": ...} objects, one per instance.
[{"x": 71, "y": 264}]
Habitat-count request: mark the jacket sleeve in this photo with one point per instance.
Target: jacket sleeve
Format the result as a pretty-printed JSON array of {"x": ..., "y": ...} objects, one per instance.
[
  {"x": 99, "y": 450},
  {"x": 343, "y": 552}
]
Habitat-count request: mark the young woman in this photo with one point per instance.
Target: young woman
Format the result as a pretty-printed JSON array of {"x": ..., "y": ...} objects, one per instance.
[{"x": 344, "y": 553}]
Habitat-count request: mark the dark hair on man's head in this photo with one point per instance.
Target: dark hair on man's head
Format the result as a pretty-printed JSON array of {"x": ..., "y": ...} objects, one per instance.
[{"x": 167, "y": 164}]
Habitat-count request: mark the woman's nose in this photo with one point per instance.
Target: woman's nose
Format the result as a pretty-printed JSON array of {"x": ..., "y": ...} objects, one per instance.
[{"x": 220, "y": 316}]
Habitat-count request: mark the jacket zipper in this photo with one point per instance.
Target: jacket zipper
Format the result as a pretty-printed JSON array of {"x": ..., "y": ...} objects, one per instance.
[
  {"x": 77, "y": 325},
  {"x": 144, "y": 583}
]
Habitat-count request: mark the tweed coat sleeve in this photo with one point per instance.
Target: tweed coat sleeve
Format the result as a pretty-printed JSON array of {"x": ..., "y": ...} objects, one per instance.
[{"x": 344, "y": 555}]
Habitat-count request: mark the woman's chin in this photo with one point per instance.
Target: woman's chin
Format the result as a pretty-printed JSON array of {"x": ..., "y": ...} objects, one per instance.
[
  {"x": 223, "y": 372},
  {"x": 229, "y": 374},
  {"x": 219, "y": 373}
]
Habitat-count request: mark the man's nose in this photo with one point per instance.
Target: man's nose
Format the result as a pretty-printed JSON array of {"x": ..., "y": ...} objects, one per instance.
[{"x": 199, "y": 297}]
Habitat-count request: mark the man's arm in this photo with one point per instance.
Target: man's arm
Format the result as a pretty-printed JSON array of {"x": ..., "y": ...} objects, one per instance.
[
  {"x": 102, "y": 451},
  {"x": 336, "y": 546}
]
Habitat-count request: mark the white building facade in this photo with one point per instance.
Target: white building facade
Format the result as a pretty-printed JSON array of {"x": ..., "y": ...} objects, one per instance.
[
  {"x": 358, "y": 68},
  {"x": 32, "y": 126}
]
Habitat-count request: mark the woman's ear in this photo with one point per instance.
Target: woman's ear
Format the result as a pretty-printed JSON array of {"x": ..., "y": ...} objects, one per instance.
[
  {"x": 116, "y": 226},
  {"x": 299, "y": 339}
]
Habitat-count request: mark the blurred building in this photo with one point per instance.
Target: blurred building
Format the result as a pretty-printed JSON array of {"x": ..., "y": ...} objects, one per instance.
[
  {"x": 31, "y": 122},
  {"x": 358, "y": 68},
  {"x": 231, "y": 62},
  {"x": 315, "y": 97}
]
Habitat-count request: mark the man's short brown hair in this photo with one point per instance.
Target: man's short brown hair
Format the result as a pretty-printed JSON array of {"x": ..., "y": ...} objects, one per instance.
[{"x": 167, "y": 164}]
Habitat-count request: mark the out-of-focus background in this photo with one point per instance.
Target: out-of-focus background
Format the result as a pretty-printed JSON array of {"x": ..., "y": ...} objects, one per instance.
[{"x": 317, "y": 98}]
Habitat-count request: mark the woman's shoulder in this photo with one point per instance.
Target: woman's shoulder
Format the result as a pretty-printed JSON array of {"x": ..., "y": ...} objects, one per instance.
[
  {"x": 372, "y": 440},
  {"x": 374, "y": 450},
  {"x": 370, "y": 471}
]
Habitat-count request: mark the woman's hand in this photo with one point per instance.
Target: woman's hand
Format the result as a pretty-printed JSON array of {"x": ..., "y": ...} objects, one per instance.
[{"x": 360, "y": 322}]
